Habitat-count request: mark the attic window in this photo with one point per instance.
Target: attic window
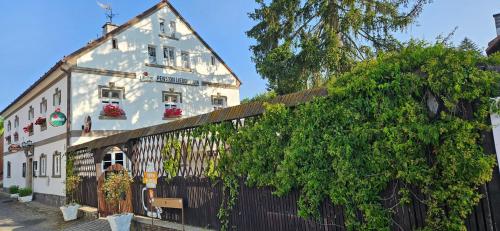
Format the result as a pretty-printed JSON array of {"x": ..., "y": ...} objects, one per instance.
[
  {"x": 115, "y": 43},
  {"x": 213, "y": 60}
]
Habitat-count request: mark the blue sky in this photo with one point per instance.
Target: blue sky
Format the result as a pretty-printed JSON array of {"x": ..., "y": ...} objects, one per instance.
[{"x": 39, "y": 33}]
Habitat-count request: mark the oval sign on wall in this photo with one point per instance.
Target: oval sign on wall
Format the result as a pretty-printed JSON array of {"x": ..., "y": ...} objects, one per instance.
[{"x": 57, "y": 118}]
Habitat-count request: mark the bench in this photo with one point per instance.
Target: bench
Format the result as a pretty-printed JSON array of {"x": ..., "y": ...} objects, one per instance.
[{"x": 170, "y": 203}]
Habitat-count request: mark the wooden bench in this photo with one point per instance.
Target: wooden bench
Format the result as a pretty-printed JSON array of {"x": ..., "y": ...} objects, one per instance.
[{"x": 170, "y": 203}]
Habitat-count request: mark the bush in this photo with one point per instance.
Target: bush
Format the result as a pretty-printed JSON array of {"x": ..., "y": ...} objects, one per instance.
[
  {"x": 25, "y": 192},
  {"x": 13, "y": 189}
]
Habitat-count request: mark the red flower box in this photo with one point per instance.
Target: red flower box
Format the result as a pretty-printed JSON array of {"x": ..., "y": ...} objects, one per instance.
[
  {"x": 41, "y": 121},
  {"x": 113, "y": 111},
  {"x": 29, "y": 128},
  {"x": 172, "y": 113}
]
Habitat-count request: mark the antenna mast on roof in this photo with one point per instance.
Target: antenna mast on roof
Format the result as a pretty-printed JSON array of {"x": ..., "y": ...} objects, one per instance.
[{"x": 109, "y": 11}]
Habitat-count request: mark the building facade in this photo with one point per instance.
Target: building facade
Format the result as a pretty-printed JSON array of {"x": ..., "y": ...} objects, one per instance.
[{"x": 151, "y": 70}]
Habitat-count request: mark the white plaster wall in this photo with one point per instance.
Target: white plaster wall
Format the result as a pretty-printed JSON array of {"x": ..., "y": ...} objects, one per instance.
[
  {"x": 495, "y": 122},
  {"x": 133, "y": 51},
  {"x": 16, "y": 162},
  {"x": 142, "y": 104},
  {"x": 23, "y": 116},
  {"x": 50, "y": 184}
]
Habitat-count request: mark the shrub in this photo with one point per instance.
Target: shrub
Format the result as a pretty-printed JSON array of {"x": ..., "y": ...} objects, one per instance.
[
  {"x": 116, "y": 186},
  {"x": 13, "y": 189},
  {"x": 25, "y": 192},
  {"x": 72, "y": 183}
]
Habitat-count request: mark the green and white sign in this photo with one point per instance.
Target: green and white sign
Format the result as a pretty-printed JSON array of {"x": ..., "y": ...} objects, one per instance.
[{"x": 57, "y": 118}]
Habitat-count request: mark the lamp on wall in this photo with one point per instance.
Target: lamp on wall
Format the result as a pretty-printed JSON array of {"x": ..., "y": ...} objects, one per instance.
[{"x": 28, "y": 147}]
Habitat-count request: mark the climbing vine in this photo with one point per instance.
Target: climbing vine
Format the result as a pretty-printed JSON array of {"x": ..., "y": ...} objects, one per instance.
[
  {"x": 413, "y": 117},
  {"x": 171, "y": 154}
]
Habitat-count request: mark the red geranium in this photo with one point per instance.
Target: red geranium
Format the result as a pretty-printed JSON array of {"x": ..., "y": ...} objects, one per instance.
[
  {"x": 40, "y": 121},
  {"x": 172, "y": 113},
  {"x": 113, "y": 110},
  {"x": 29, "y": 128}
]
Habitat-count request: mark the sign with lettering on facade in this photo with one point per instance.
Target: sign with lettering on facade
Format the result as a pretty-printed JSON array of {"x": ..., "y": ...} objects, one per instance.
[
  {"x": 57, "y": 118},
  {"x": 174, "y": 80}
]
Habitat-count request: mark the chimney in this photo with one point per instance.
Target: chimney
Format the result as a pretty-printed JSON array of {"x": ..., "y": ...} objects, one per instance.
[
  {"x": 497, "y": 23},
  {"x": 108, "y": 27}
]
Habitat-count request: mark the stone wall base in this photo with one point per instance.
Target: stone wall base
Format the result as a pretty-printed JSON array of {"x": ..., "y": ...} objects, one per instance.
[{"x": 51, "y": 200}]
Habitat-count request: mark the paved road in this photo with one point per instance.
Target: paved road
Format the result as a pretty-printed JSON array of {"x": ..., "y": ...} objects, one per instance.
[{"x": 33, "y": 216}]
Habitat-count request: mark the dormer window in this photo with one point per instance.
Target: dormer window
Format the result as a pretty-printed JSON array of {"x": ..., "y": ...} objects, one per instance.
[
  {"x": 219, "y": 102},
  {"x": 56, "y": 98},
  {"x": 152, "y": 54}
]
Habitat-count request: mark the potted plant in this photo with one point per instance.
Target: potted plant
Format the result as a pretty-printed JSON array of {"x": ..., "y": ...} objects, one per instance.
[
  {"x": 25, "y": 195},
  {"x": 41, "y": 121},
  {"x": 29, "y": 128},
  {"x": 70, "y": 210},
  {"x": 115, "y": 187},
  {"x": 14, "y": 191},
  {"x": 111, "y": 110},
  {"x": 172, "y": 113}
]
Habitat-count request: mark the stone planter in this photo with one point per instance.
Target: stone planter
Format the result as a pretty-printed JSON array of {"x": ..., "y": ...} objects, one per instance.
[
  {"x": 14, "y": 195},
  {"x": 120, "y": 222},
  {"x": 26, "y": 199},
  {"x": 70, "y": 212}
]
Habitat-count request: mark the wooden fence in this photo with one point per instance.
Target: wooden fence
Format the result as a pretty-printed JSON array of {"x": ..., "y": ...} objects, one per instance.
[{"x": 256, "y": 208}]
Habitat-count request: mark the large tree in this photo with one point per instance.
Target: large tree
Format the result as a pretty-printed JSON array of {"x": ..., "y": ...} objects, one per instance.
[{"x": 301, "y": 43}]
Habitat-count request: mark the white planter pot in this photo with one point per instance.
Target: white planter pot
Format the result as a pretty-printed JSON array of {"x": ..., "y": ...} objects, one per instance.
[
  {"x": 70, "y": 212},
  {"x": 14, "y": 195},
  {"x": 26, "y": 198},
  {"x": 120, "y": 222}
]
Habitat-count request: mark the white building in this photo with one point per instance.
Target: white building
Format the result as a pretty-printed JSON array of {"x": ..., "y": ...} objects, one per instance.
[{"x": 142, "y": 71}]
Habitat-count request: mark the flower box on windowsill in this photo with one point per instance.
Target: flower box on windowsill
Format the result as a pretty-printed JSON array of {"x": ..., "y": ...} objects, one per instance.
[
  {"x": 28, "y": 129},
  {"x": 42, "y": 121},
  {"x": 112, "y": 112},
  {"x": 172, "y": 113}
]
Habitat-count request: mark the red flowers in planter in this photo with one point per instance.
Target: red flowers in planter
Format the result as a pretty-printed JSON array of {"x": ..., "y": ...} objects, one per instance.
[
  {"x": 29, "y": 128},
  {"x": 113, "y": 111},
  {"x": 41, "y": 121},
  {"x": 172, "y": 113}
]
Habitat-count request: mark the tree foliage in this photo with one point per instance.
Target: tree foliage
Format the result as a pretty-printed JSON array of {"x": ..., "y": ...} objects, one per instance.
[
  {"x": 376, "y": 128},
  {"x": 302, "y": 43},
  {"x": 469, "y": 45}
]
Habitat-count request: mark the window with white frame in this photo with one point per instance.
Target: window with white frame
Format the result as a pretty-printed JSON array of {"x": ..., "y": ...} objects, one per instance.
[
  {"x": 219, "y": 102},
  {"x": 152, "y": 54},
  {"x": 24, "y": 170},
  {"x": 111, "y": 95},
  {"x": 185, "y": 60},
  {"x": 172, "y": 99},
  {"x": 115, "y": 158},
  {"x": 31, "y": 113},
  {"x": 16, "y": 122},
  {"x": 56, "y": 98},
  {"x": 35, "y": 168},
  {"x": 43, "y": 165},
  {"x": 169, "y": 56},
  {"x": 162, "y": 26},
  {"x": 56, "y": 164},
  {"x": 43, "y": 106},
  {"x": 9, "y": 126},
  {"x": 172, "y": 26}
]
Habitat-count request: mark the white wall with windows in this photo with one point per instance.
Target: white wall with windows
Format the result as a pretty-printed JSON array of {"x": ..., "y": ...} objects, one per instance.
[
  {"x": 16, "y": 161},
  {"x": 51, "y": 164}
]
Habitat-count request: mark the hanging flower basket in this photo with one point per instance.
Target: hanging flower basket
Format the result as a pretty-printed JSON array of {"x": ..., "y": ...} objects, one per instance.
[
  {"x": 29, "y": 128},
  {"x": 172, "y": 113},
  {"x": 41, "y": 121},
  {"x": 111, "y": 110}
]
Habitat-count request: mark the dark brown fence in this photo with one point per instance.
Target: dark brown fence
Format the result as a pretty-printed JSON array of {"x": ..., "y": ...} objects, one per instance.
[{"x": 256, "y": 208}]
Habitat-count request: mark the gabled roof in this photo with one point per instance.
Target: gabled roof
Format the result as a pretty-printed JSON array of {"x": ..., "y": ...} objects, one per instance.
[{"x": 78, "y": 53}]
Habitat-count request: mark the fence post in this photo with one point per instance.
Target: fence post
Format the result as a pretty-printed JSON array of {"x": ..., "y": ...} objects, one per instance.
[{"x": 492, "y": 188}]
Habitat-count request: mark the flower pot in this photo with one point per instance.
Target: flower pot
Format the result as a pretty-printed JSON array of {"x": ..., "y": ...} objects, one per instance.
[
  {"x": 26, "y": 199},
  {"x": 120, "y": 222},
  {"x": 70, "y": 212},
  {"x": 14, "y": 195}
]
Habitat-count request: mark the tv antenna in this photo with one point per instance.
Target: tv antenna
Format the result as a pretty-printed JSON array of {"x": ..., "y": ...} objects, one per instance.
[{"x": 109, "y": 11}]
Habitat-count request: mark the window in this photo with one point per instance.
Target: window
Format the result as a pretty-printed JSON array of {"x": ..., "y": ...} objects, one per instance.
[
  {"x": 35, "y": 168},
  {"x": 114, "y": 43},
  {"x": 8, "y": 169},
  {"x": 43, "y": 106},
  {"x": 115, "y": 158},
  {"x": 212, "y": 60},
  {"x": 43, "y": 165},
  {"x": 173, "y": 27},
  {"x": 162, "y": 26},
  {"x": 31, "y": 113},
  {"x": 16, "y": 122},
  {"x": 56, "y": 164},
  {"x": 111, "y": 95},
  {"x": 56, "y": 98},
  {"x": 24, "y": 170},
  {"x": 172, "y": 99},
  {"x": 185, "y": 60},
  {"x": 152, "y": 54},
  {"x": 169, "y": 56},
  {"x": 9, "y": 126},
  {"x": 219, "y": 102}
]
